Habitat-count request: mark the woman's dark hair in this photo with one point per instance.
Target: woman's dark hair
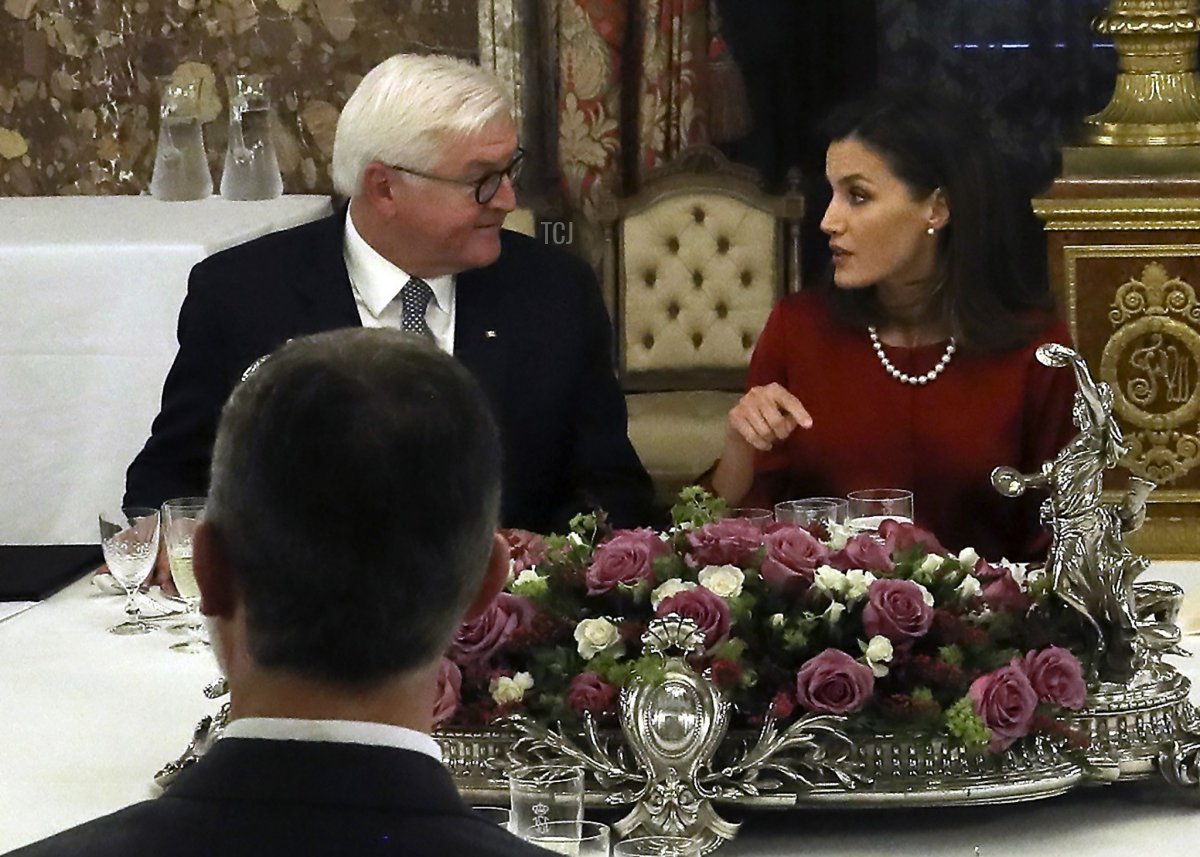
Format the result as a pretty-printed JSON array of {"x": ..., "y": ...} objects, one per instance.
[{"x": 992, "y": 282}]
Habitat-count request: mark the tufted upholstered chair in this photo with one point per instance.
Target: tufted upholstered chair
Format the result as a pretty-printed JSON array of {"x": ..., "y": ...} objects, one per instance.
[{"x": 695, "y": 261}]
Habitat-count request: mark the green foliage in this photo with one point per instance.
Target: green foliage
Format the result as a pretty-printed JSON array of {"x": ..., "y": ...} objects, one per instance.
[{"x": 964, "y": 724}]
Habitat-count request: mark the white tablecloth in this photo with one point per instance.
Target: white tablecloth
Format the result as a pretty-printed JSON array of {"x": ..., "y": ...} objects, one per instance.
[
  {"x": 91, "y": 288},
  {"x": 86, "y": 718}
]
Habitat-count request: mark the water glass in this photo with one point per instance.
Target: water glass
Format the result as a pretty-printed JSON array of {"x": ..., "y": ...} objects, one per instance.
[
  {"x": 129, "y": 539},
  {"x": 575, "y": 838},
  {"x": 657, "y": 846},
  {"x": 251, "y": 167},
  {"x": 541, "y": 794},
  {"x": 180, "y": 517},
  {"x": 871, "y": 507},
  {"x": 180, "y": 163},
  {"x": 811, "y": 512},
  {"x": 756, "y": 516}
]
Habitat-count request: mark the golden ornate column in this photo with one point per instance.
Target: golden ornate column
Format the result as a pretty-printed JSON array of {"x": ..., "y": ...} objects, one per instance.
[{"x": 1123, "y": 230}]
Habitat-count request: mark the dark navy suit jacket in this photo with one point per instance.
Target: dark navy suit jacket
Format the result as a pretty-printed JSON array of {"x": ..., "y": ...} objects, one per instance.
[
  {"x": 531, "y": 328},
  {"x": 262, "y": 798}
]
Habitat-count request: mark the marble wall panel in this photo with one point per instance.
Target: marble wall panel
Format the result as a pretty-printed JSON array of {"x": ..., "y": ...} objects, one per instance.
[{"x": 78, "y": 91}]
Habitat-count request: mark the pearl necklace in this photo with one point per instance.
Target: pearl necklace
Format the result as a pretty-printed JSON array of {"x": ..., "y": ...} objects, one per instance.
[{"x": 951, "y": 347}]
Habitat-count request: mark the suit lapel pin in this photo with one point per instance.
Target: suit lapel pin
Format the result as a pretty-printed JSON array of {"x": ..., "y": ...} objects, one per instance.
[{"x": 489, "y": 334}]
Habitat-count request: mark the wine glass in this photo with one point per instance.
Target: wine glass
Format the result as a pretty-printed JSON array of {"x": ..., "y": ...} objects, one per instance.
[
  {"x": 871, "y": 507},
  {"x": 759, "y": 517},
  {"x": 540, "y": 794},
  {"x": 180, "y": 517},
  {"x": 811, "y": 512},
  {"x": 129, "y": 539}
]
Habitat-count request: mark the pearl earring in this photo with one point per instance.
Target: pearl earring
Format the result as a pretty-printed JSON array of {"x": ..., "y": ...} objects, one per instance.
[{"x": 931, "y": 230}]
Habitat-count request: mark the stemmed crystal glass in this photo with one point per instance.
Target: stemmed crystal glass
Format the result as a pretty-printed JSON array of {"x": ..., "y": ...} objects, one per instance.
[
  {"x": 180, "y": 517},
  {"x": 657, "y": 846},
  {"x": 575, "y": 838},
  {"x": 129, "y": 539}
]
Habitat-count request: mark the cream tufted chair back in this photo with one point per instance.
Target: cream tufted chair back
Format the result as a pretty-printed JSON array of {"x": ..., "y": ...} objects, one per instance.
[{"x": 695, "y": 262}]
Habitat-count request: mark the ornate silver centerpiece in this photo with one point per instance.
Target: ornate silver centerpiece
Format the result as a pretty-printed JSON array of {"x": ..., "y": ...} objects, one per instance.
[{"x": 673, "y": 760}]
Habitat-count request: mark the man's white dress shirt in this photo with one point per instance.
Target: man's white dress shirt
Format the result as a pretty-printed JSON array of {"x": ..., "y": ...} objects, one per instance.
[
  {"x": 377, "y": 283},
  {"x": 333, "y": 731}
]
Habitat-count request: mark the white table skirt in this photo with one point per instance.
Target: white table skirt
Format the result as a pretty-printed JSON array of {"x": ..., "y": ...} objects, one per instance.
[
  {"x": 91, "y": 288},
  {"x": 86, "y": 718}
]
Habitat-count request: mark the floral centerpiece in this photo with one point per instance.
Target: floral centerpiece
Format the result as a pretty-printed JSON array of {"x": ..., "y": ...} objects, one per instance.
[{"x": 888, "y": 629}]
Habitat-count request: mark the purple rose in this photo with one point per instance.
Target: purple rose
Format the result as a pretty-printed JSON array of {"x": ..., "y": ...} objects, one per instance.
[
  {"x": 588, "y": 692},
  {"x": 1001, "y": 591},
  {"x": 862, "y": 551},
  {"x": 834, "y": 683},
  {"x": 1005, "y": 701},
  {"x": 729, "y": 541},
  {"x": 479, "y": 638},
  {"x": 792, "y": 554},
  {"x": 901, "y": 536},
  {"x": 449, "y": 691},
  {"x": 897, "y": 610},
  {"x": 1056, "y": 677},
  {"x": 525, "y": 549},
  {"x": 627, "y": 557},
  {"x": 708, "y": 610}
]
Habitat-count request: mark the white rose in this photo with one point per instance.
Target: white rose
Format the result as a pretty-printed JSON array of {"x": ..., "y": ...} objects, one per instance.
[
  {"x": 879, "y": 653},
  {"x": 930, "y": 564},
  {"x": 834, "y": 612},
  {"x": 527, "y": 576},
  {"x": 968, "y": 558},
  {"x": 858, "y": 582},
  {"x": 594, "y": 636},
  {"x": 926, "y": 595},
  {"x": 828, "y": 579},
  {"x": 723, "y": 580},
  {"x": 969, "y": 588},
  {"x": 668, "y": 588},
  {"x": 506, "y": 690},
  {"x": 1019, "y": 571},
  {"x": 839, "y": 534},
  {"x": 777, "y": 620}
]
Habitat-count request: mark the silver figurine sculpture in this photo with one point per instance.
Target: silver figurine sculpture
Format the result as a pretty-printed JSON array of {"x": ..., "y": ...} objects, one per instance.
[{"x": 1089, "y": 565}]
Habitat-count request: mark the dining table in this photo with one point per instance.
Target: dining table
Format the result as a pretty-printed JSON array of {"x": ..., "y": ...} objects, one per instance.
[
  {"x": 87, "y": 718},
  {"x": 92, "y": 287}
]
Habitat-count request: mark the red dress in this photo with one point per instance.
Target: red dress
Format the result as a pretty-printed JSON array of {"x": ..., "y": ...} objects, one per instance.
[{"x": 941, "y": 440}]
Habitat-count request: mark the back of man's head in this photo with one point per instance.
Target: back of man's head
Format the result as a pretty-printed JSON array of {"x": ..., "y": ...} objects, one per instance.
[
  {"x": 355, "y": 489},
  {"x": 407, "y": 109}
]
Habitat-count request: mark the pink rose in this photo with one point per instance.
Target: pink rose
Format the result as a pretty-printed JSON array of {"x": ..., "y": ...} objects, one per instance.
[
  {"x": 834, "y": 683},
  {"x": 449, "y": 691},
  {"x": 588, "y": 692},
  {"x": 862, "y": 551},
  {"x": 525, "y": 549},
  {"x": 792, "y": 554},
  {"x": 1002, "y": 592},
  {"x": 897, "y": 610},
  {"x": 901, "y": 536},
  {"x": 1005, "y": 701},
  {"x": 479, "y": 638},
  {"x": 1056, "y": 677},
  {"x": 627, "y": 557},
  {"x": 729, "y": 541},
  {"x": 708, "y": 610}
]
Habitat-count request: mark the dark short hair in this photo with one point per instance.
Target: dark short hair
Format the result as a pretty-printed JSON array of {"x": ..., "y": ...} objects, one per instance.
[
  {"x": 355, "y": 487},
  {"x": 994, "y": 291}
]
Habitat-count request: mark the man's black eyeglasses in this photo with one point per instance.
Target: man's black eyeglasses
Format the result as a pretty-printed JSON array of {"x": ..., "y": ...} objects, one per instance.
[{"x": 486, "y": 187}]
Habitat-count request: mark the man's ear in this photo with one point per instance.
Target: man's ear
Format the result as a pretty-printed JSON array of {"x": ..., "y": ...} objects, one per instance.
[
  {"x": 376, "y": 188},
  {"x": 494, "y": 578},
  {"x": 214, "y": 574}
]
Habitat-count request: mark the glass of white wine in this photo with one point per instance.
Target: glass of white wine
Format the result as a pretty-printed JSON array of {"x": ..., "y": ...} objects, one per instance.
[
  {"x": 573, "y": 838},
  {"x": 129, "y": 539},
  {"x": 179, "y": 518}
]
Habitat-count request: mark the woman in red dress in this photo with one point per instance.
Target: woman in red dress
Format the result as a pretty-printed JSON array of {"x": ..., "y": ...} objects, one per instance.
[{"x": 913, "y": 367}]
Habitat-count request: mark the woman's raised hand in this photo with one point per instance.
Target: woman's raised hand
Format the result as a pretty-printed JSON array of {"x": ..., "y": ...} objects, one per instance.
[{"x": 766, "y": 415}]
